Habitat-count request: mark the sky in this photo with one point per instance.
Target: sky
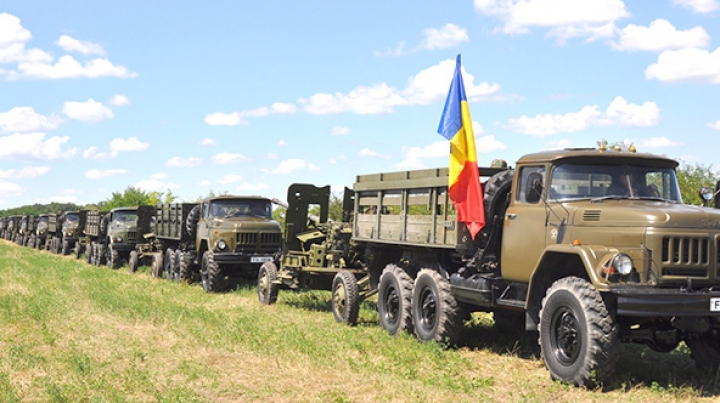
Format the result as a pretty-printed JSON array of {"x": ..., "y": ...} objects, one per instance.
[{"x": 248, "y": 97}]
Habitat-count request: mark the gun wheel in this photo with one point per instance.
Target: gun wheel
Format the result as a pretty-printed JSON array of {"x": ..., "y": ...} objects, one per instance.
[
  {"x": 345, "y": 298},
  {"x": 267, "y": 288}
]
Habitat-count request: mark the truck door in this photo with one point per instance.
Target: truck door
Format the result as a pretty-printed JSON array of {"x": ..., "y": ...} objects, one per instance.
[{"x": 525, "y": 231}]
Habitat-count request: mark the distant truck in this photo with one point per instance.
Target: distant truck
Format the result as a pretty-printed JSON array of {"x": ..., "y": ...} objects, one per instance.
[
  {"x": 588, "y": 247},
  {"x": 218, "y": 240},
  {"x": 110, "y": 237},
  {"x": 72, "y": 224}
]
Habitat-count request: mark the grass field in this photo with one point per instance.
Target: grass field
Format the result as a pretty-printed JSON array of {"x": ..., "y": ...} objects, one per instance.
[{"x": 77, "y": 333}]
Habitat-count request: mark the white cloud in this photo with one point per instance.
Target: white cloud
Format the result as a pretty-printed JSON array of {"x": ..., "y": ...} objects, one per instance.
[
  {"x": 428, "y": 86},
  {"x": 699, "y": 6},
  {"x": 155, "y": 185},
  {"x": 25, "y": 119},
  {"x": 25, "y": 172},
  {"x": 207, "y": 142},
  {"x": 658, "y": 142},
  {"x": 71, "y": 44},
  {"x": 413, "y": 156},
  {"x": 489, "y": 144},
  {"x": 232, "y": 178},
  {"x": 131, "y": 144},
  {"x": 68, "y": 67},
  {"x": 11, "y": 31},
  {"x": 98, "y": 174},
  {"x": 9, "y": 189},
  {"x": 292, "y": 165},
  {"x": 205, "y": 183},
  {"x": 90, "y": 111},
  {"x": 715, "y": 125},
  {"x": 228, "y": 158},
  {"x": 281, "y": 143},
  {"x": 366, "y": 152},
  {"x": 446, "y": 37},
  {"x": 686, "y": 65},
  {"x": 12, "y": 43},
  {"x": 248, "y": 187},
  {"x": 236, "y": 118},
  {"x": 119, "y": 100},
  {"x": 176, "y": 162},
  {"x": 618, "y": 113},
  {"x": 34, "y": 146},
  {"x": 563, "y": 19},
  {"x": 659, "y": 36},
  {"x": 339, "y": 131}
]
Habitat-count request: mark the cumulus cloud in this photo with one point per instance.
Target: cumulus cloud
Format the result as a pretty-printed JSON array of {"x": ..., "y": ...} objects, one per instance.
[
  {"x": 292, "y": 165},
  {"x": 25, "y": 119},
  {"x": 12, "y": 43},
  {"x": 9, "y": 189},
  {"x": 176, "y": 162},
  {"x": 156, "y": 184},
  {"x": 686, "y": 65},
  {"x": 34, "y": 146},
  {"x": 90, "y": 111},
  {"x": 227, "y": 158},
  {"x": 659, "y": 36},
  {"x": 618, "y": 113},
  {"x": 715, "y": 125},
  {"x": 428, "y": 86},
  {"x": 130, "y": 144},
  {"x": 98, "y": 174},
  {"x": 24, "y": 172},
  {"x": 448, "y": 36},
  {"x": 339, "y": 131},
  {"x": 236, "y": 118},
  {"x": 414, "y": 157},
  {"x": 71, "y": 44},
  {"x": 699, "y": 6},
  {"x": 562, "y": 19},
  {"x": 119, "y": 100}
]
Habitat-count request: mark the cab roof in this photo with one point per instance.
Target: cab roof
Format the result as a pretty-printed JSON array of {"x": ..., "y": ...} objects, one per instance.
[{"x": 596, "y": 156}]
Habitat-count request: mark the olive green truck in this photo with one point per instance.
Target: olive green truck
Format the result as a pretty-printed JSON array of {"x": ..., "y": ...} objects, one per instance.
[
  {"x": 563, "y": 252},
  {"x": 218, "y": 240}
]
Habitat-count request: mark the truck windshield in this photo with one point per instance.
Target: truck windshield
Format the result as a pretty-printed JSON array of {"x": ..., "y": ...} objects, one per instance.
[
  {"x": 72, "y": 218},
  {"x": 124, "y": 216},
  {"x": 227, "y": 208},
  {"x": 582, "y": 181}
]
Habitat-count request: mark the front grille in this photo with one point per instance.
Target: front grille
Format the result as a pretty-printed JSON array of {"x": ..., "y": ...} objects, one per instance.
[
  {"x": 132, "y": 236},
  {"x": 249, "y": 242},
  {"x": 686, "y": 256}
]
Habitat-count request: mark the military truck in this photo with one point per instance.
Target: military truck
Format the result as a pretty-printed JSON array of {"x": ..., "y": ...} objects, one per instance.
[
  {"x": 562, "y": 253},
  {"x": 3, "y": 227},
  {"x": 12, "y": 227},
  {"x": 122, "y": 227},
  {"x": 219, "y": 240},
  {"x": 26, "y": 231},
  {"x": 95, "y": 232},
  {"x": 72, "y": 224}
]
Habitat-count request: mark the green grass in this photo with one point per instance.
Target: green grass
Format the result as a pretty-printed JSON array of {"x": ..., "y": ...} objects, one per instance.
[{"x": 77, "y": 333}]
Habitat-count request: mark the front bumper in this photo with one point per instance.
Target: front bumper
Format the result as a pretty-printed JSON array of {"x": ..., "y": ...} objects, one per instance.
[
  {"x": 244, "y": 258},
  {"x": 667, "y": 303}
]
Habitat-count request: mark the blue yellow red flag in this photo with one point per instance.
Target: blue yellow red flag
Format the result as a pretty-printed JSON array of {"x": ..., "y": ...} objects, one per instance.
[{"x": 464, "y": 187}]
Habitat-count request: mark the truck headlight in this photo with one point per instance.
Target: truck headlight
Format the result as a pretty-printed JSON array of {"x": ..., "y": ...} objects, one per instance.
[
  {"x": 221, "y": 244},
  {"x": 117, "y": 239},
  {"x": 622, "y": 264}
]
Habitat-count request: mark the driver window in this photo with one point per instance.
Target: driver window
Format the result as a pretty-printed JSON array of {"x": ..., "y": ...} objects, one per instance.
[
  {"x": 206, "y": 210},
  {"x": 530, "y": 185}
]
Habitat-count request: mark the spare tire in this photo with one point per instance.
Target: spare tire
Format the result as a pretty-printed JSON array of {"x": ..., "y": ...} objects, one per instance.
[
  {"x": 104, "y": 225},
  {"x": 495, "y": 200},
  {"x": 191, "y": 222}
]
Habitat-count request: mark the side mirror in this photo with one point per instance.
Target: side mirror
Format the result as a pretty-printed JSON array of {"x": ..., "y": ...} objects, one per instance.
[
  {"x": 534, "y": 189},
  {"x": 706, "y": 193}
]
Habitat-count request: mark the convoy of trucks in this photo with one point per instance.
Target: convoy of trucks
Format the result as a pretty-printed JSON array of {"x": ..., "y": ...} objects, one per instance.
[{"x": 589, "y": 248}]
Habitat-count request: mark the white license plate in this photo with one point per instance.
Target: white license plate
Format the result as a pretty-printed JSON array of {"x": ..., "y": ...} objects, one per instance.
[
  {"x": 264, "y": 259},
  {"x": 714, "y": 304}
]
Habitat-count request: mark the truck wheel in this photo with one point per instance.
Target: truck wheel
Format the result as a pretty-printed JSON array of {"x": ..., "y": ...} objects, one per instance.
[
  {"x": 211, "y": 273},
  {"x": 104, "y": 225},
  {"x": 89, "y": 252},
  {"x": 578, "y": 337},
  {"x": 169, "y": 263},
  {"x": 345, "y": 298},
  {"x": 157, "y": 265},
  {"x": 395, "y": 299},
  {"x": 113, "y": 258},
  {"x": 185, "y": 272},
  {"x": 267, "y": 288},
  {"x": 191, "y": 222},
  {"x": 705, "y": 352},
  {"x": 436, "y": 314},
  {"x": 65, "y": 247},
  {"x": 133, "y": 261},
  {"x": 77, "y": 250},
  {"x": 101, "y": 258},
  {"x": 177, "y": 263}
]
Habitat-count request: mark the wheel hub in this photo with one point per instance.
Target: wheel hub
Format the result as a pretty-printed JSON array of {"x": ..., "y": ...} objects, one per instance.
[{"x": 565, "y": 338}]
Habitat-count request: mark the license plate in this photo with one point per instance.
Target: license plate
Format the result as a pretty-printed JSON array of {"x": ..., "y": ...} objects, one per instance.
[
  {"x": 264, "y": 259},
  {"x": 714, "y": 304}
]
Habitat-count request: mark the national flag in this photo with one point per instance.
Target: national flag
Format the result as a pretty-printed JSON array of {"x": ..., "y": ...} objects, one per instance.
[{"x": 464, "y": 186}]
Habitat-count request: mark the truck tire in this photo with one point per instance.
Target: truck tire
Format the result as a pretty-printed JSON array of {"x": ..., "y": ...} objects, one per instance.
[
  {"x": 77, "y": 250},
  {"x": 578, "y": 337},
  {"x": 89, "y": 252},
  {"x": 101, "y": 258},
  {"x": 169, "y": 264},
  {"x": 65, "y": 248},
  {"x": 104, "y": 222},
  {"x": 436, "y": 314},
  {"x": 267, "y": 288},
  {"x": 176, "y": 264},
  {"x": 133, "y": 261},
  {"x": 113, "y": 258},
  {"x": 191, "y": 222},
  {"x": 395, "y": 300},
  {"x": 211, "y": 274},
  {"x": 185, "y": 272},
  {"x": 345, "y": 298},
  {"x": 705, "y": 352},
  {"x": 157, "y": 267}
]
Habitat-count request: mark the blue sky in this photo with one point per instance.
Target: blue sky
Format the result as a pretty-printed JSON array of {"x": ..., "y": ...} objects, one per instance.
[{"x": 248, "y": 97}]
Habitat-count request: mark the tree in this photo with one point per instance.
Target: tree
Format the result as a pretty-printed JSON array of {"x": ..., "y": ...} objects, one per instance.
[{"x": 136, "y": 197}]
